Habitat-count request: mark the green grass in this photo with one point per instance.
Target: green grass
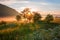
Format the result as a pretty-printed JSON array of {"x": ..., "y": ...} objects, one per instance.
[{"x": 31, "y": 31}]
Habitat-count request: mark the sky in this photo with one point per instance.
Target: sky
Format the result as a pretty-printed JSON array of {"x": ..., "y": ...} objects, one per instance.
[{"x": 35, "y": 5}]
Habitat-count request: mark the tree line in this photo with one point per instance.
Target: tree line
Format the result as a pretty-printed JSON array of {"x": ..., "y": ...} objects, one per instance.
[{"x": 35, "y": 16}]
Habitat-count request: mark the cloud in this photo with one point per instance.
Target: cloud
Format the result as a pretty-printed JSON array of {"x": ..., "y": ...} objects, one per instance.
[
  {"x": 12, "y": 0},
  {"x": 21, "y": 0},
  {"x": 6, "y": 0},
  {"x": 37, "y": 4}
]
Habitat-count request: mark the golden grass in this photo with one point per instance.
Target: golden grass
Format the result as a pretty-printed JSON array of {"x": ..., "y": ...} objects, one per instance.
[
  {"x": 57, "y": 20},
  {"x": 8, "y": 30}
]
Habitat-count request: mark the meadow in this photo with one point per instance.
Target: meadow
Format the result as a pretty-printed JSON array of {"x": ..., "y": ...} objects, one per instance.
[{"x": 30, "y": 31}]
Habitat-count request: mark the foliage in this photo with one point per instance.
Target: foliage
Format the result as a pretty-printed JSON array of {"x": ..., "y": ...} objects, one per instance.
[
  {"x": 49, "y": 18},
  {"x": 36, "y": 17},
  {"x": 18, "y": 17},
  {"x": 31, "y": 31},
  {"x": 2, "y": 22}
]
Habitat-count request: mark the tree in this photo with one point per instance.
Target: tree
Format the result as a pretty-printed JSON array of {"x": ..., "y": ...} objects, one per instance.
[
  {"x": 18, "y": 17},
  {"x": 27, "y": 14},
  {"x": 25, "y": 11},
  {"x": 49, "y": 18},
  {"x": 2, "y": 22},
  {"x": 36, "y": 17}
]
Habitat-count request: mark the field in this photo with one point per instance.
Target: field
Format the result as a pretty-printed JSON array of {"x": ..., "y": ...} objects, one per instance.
[
  {"x": 57, "y": 20},
  {"x": 29, "y": 31}
]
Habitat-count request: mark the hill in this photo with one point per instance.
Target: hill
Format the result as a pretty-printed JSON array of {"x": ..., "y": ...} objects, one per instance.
[{"x": 6, "y": 11}]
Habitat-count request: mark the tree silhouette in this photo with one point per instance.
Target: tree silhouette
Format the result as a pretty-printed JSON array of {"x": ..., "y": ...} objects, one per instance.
[
  {"x": 18, "y": 17},
  {"x": 36, "y": 17},
  {"x": 27, "y": 14},
  {"x": 49, "y": 18},
  {"x": 25, "y": 11},
  {"x": 2, "y": 22}
]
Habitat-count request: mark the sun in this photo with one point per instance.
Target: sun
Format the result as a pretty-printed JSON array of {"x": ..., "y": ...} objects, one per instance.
[{"x": 29, "y": 13}]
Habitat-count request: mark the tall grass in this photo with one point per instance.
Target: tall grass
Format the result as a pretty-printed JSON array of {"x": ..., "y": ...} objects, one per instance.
[{"x": 30, "y": 31}]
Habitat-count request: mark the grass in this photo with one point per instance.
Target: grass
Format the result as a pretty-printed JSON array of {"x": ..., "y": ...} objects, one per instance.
[
  {"x": 57, "y": 20},
  {"x": 30, "y": 31}
]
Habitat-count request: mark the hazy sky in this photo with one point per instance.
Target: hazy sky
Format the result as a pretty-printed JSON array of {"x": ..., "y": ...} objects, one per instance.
[{"x": 39, "y": 5}]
